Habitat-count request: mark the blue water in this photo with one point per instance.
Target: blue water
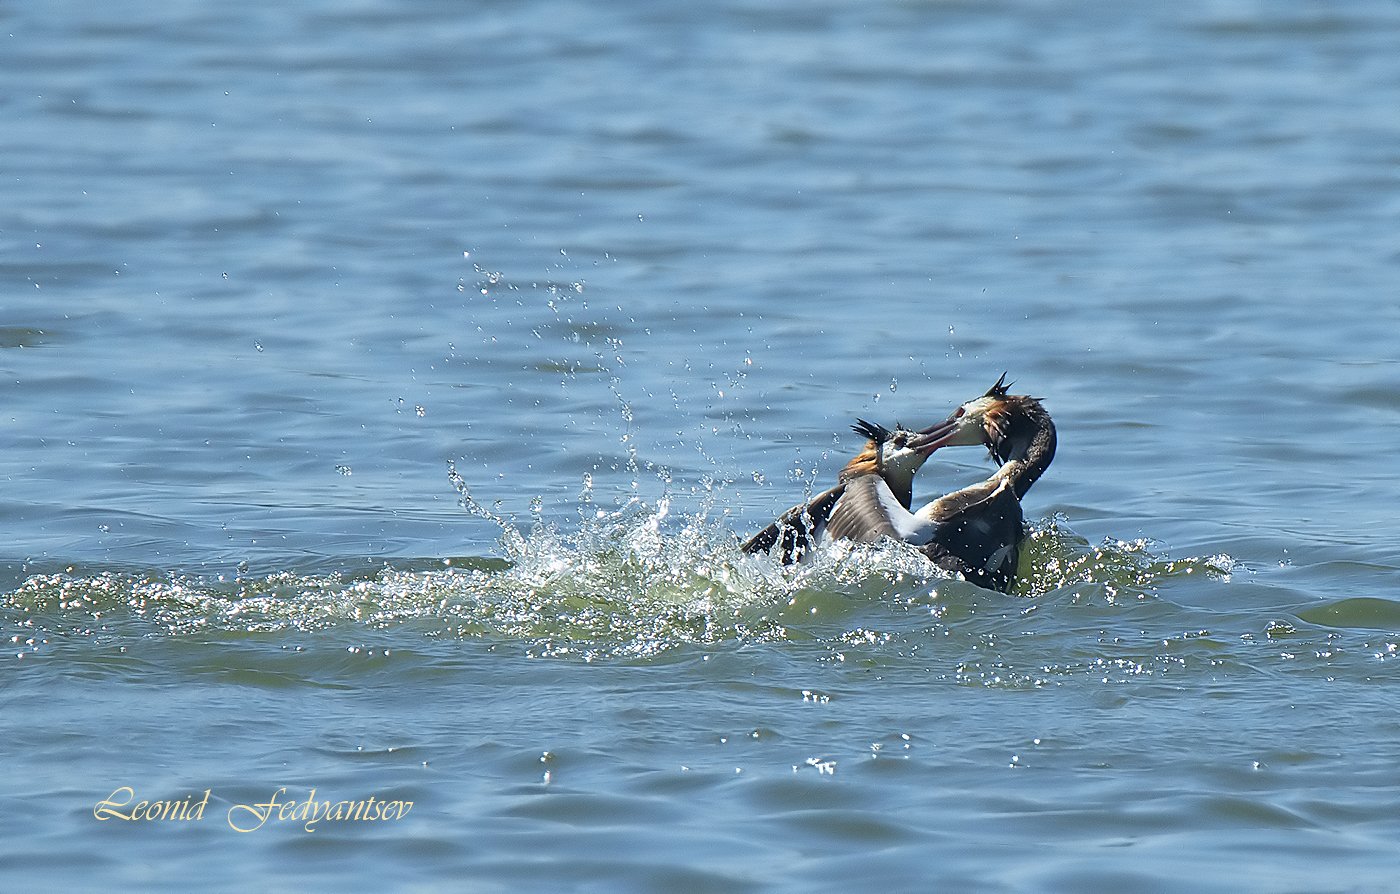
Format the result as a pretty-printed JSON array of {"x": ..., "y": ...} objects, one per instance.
[{"x": 384, "y": 388}]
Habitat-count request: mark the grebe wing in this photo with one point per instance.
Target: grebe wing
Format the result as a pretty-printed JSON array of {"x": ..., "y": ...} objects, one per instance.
[
  {"x": 868, "y": 511},
  {"x": 960, "y": 502},
  {"x": 797, "y": 529},
  {"x": 979, "y": 535}
]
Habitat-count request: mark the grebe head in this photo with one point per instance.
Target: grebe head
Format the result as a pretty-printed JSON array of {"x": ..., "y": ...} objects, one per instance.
[
  {"x": 897, "y": 453},
  {"x": 1000, "y": 421}
]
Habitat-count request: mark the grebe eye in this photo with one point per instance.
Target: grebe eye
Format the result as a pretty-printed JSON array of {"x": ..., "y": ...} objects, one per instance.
[{"x": 959, "y": 413}]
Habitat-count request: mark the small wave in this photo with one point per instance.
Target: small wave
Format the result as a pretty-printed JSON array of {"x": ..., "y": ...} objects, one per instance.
[{"x": 1359, "y": 612}]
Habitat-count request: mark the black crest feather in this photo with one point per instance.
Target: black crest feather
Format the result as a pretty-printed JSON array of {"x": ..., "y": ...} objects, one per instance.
[
  {"x": 1000, "y": 389},
  {"x": 875, "y": 432}
]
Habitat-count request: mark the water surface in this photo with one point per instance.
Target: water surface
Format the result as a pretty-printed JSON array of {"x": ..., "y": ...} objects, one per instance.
[{"x": 386, "y": 387}]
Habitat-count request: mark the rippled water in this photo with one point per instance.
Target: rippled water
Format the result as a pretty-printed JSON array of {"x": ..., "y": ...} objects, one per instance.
[{"x": 386, "y": 387}]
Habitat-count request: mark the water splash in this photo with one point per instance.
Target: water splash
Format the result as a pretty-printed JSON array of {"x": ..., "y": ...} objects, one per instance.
[
  {"x": 1054, "y": 556},
  {"x": 634, "y": 582}
]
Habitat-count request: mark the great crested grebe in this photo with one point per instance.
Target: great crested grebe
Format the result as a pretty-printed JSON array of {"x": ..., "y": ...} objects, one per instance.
[
  {"x": 976, "y": 531},
  {"x": 883, "y": 472}
]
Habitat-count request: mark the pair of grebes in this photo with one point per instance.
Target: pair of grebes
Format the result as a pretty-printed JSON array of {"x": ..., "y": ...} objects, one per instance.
[{"x": 976, "y": 532}]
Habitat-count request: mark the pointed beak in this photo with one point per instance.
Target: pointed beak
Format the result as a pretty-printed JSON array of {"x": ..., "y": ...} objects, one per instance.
[
  {"x": 935, "y": 436},
  {"x": 957, "y": 429}
]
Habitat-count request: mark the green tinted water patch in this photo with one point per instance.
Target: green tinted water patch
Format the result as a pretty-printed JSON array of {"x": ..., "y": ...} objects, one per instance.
[
  {"x": 23, "y": 337},
  {"x": 1360, "y": 612}
]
